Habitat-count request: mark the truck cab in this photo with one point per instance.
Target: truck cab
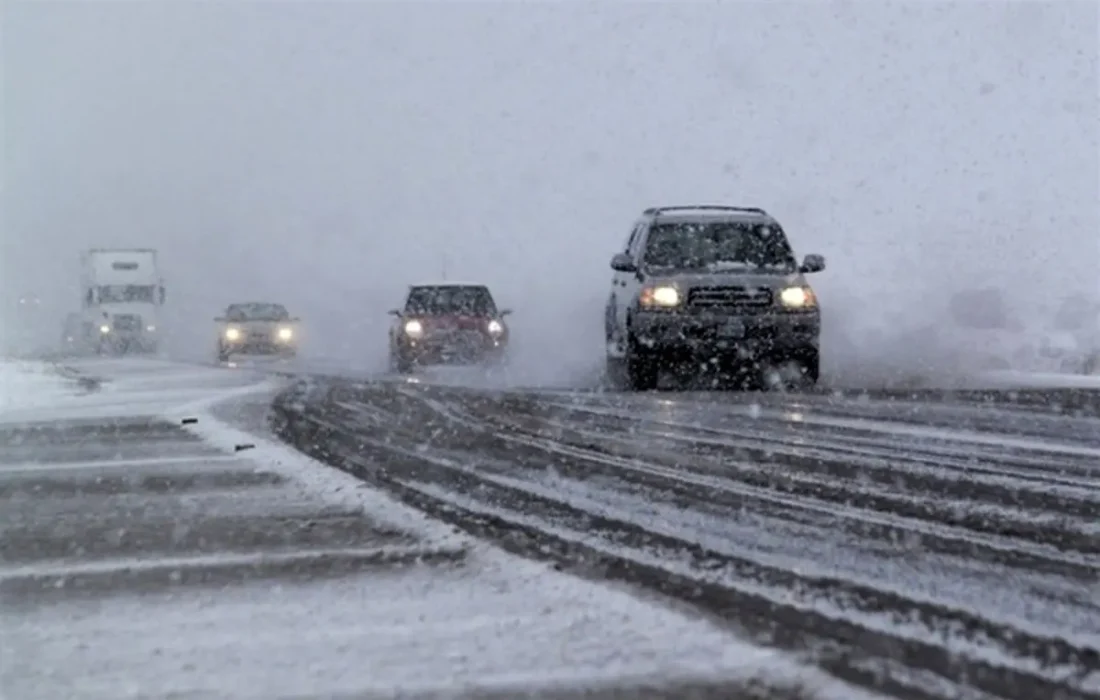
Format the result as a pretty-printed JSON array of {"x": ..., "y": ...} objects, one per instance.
[{"x": 122, "y": 297}]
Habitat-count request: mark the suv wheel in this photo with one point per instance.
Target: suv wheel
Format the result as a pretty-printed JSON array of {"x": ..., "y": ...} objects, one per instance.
[
  {"x": 795, "y": 372},
  {"x": 399, "y": 364},
  {"x": 642, "y": 368}
]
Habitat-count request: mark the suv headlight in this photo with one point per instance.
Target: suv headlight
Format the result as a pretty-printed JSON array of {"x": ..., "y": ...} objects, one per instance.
[
  {"x": 495, "y": 327},
  {"x": 662, "y": 296},
  {"x": 798, "y": 298},
  {"x": 285, "y": 334},
  {"x": 232, "y": 334},
  {"x": 414, "y": 329}
]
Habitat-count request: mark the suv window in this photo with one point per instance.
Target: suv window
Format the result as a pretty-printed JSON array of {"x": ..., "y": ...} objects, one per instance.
[{"x": 718, "y": 245}]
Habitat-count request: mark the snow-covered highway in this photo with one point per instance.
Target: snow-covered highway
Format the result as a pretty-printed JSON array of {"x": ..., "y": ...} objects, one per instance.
[{"x": 155, "y": 543}]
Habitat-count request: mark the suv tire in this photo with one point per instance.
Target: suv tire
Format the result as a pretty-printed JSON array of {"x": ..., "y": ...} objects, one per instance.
[
  {"x": 642, "y": 368},
  {"x": 399, "y": 364}
]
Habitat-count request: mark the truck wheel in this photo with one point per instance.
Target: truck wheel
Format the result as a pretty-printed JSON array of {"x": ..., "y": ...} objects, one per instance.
[{"x": 1092, "y": 364}]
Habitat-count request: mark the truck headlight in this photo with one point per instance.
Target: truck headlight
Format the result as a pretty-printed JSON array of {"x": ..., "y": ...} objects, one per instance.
[
  {"x": 104, "y": 329},
  {"x": 414, "y": 329},
  {"x": 285, "y": 334},
  {"x": 495, "y": 328},
  {"x": 232, "y": 334},
  {"x": 664, "y": 296},
  {"x": 798, "y": 298}
]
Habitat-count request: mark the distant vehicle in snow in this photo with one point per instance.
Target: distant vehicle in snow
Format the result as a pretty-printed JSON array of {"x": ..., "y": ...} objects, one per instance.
[
  {"x": 122, "y": 296},
  {"x": 988, "y": 335},
  {"x": 710, "y": 284},
  {"x": 257, "y": 328},
  {"x": 447, "y": 323}
]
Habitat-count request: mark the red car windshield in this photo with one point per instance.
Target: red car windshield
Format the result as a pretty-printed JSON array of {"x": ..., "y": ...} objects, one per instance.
[{"x": 450, "y": 301}]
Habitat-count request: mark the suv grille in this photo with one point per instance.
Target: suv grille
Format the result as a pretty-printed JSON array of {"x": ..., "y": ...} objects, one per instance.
[{"x": 729, "y": 297}]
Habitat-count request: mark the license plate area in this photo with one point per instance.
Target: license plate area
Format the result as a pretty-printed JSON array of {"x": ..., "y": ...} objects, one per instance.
[{"x": 731, "y": 330}]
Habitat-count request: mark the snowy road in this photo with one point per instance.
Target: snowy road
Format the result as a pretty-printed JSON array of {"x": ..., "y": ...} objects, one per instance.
[
  {"x": 154, "y": 543},
  {"x": 928, "y": 548}
]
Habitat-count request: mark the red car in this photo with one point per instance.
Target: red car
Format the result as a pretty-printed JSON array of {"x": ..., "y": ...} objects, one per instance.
[{"x": 449, "y": 323}]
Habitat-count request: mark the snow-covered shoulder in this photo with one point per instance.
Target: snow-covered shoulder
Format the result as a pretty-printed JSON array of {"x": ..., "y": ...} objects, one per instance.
[{"x": 26, "y": 384}]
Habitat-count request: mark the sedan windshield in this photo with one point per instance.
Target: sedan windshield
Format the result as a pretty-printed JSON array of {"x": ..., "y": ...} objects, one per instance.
[
  {"x": 718, "y": 245},
  {"x": 473, "y": 301},
  {"x": 257, "y": 312}
]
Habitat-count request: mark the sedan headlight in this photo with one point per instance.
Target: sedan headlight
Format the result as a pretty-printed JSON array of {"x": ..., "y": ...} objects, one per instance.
[
  {"x": 663, "y": 296},
  {"x": 495, "y": 327},
  {"x": 286, "y": 333},
  {"x": 414, "y": 329},
  {"x": 798, "y": 298},
  {"x": 232, "y": 334}
]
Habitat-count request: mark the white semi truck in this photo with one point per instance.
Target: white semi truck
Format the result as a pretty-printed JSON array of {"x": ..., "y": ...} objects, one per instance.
[{"x": 122, "y": 297}]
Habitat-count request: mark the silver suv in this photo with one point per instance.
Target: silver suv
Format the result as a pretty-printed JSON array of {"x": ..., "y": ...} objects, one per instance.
[{"x": 710, "y": 284}]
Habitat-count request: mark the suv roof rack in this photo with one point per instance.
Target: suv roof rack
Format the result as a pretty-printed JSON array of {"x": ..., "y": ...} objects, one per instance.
[{"x": 705, "y": 207}]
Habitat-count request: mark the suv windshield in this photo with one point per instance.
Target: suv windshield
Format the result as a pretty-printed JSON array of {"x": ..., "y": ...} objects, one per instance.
[
  {"x": 695, "y": 245},
  {"x": 257, "y": 312},
  {"x": 473, "y": 301}
]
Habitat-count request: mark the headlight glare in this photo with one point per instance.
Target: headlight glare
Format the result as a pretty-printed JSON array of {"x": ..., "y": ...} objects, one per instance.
[
  {"x": 286, "y": 333},
  {"x": 232, "y": 334},
  {"x": 104, "y": 328},
  {"x": 662, "y": 296},
  {"x": 413, "y": 328},
  {"x": 495, "y": 327},
  {"x": 797, "y": 298}
]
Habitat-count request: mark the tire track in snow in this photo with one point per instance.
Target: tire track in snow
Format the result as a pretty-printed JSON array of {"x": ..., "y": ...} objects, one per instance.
[{"x": 478, "y": 483}]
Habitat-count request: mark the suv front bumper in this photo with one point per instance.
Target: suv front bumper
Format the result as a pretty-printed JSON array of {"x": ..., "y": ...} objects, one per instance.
[{"x": 697, "y": 334}]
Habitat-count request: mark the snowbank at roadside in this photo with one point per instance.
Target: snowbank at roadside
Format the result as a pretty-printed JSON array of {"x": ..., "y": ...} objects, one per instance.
[
  {"x": 26, "y": 384},
  {"x": 1009, "y": 379}
]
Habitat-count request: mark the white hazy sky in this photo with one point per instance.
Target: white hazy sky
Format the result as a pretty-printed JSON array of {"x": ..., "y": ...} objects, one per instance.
[{"x": 325, "y": 154}]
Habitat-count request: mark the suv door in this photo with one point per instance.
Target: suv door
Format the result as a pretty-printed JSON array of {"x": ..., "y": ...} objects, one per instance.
[
  {"x": 625, "y": 288},
  {"x": 617, "y": 300}
]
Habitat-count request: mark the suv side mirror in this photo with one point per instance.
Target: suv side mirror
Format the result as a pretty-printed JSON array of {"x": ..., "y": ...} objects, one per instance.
[
  {"x": 504, "y": 312},
  {"x": 394, "y": 312},
  {"x": 621, "y": 262},
  {"x": 812, "y": 263}
]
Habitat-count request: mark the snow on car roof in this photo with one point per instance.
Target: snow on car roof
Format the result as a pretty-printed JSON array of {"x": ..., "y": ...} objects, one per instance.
[
  {"x": 449, "y": 283},
  {"x": 711, "y": 215}
]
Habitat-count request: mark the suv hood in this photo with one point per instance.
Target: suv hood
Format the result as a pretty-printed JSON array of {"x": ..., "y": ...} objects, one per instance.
[{"x": 733, "y": 278}]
